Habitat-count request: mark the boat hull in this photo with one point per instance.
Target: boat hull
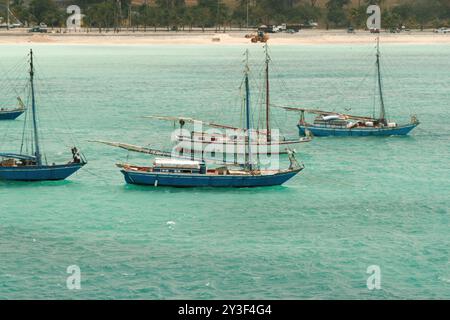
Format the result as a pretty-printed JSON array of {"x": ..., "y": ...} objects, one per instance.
[
  {"x": 39, "y": 173},
  {"x": 204, "y": 180},
  {"x": 321, "y": 131},
  {"x": 10, "y": 115}
]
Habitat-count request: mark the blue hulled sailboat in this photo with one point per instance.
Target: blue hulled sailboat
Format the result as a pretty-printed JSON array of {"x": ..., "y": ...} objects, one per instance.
[
  {"x": 11, "y": 114},
  {"x": 184, "y": 171},
  {"x": 329, "y": 123},
  {"x": 31, "y": 167}
]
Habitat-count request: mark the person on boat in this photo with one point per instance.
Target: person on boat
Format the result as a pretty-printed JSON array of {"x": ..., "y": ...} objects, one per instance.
[
  {"x": 293, "y": 161},
  {"x": 76, "y": 155}
]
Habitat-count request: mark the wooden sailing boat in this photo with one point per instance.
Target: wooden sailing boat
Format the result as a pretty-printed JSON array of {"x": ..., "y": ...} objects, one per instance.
[
  {"x": 12, "y": 114},
  {"x": 31, "y": 167},
  {"x": 263, "y": 142},
  {"x": 329, "y": 123},
  {"x": 182, "y": 172}
]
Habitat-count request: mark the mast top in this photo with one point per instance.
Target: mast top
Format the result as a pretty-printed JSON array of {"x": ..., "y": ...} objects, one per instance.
[
  {"x": 31, "y": 63},
  {"x": 266, "y": 50},
  {"x": 378, "y": 46},
  {"x": 246, "y": 61}
]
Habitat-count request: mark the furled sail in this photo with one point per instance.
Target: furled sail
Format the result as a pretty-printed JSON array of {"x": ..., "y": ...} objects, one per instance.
[
  {"x": 325, "y": 113},
  {"x": 161, "y": 153}
]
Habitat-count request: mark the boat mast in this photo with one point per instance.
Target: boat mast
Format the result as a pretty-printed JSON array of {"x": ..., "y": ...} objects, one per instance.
[
  {"x": 33, "y": 108},
  {"x": 267, "y": 94},
  {"x": 380, "y": 88},
  {"x": 247, "y": 113}
]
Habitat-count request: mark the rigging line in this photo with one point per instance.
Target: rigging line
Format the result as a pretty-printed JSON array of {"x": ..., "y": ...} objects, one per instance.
[
  {"x": 7, "y": 132},
  {"x": 236, "y": 105},
  {"x": 236, "y": 101},
  {"x": 25, "y": 122},
  {"x": 99, "y": 177},
  {"x": 375, "y": 84},
  {"x": 333, "y": 74},
  {"x": 38, "y": 99},
  {"x": 258, "y": 95},
  {"x": 11, "y": 84},
  {"x": 263, "y": 109},
  {"x": 259, "y": 104},
  {"x": 284, "y": 86},
  {"x": 46, "y": 88},
  {"x": 18, "y": 63},
  {"x": 388, "y": 68},
  {"x": 14, "y": 67},
  {"x": 39, "y": 85}
]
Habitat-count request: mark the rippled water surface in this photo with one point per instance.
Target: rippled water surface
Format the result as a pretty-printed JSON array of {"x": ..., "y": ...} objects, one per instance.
[{"x": 359, "y": 202}]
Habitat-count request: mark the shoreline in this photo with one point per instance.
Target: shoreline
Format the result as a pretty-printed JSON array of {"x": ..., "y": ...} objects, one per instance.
[{"x": 304, "y": 37}]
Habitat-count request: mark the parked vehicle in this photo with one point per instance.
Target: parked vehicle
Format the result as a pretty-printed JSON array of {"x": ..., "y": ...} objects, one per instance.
[
  {"x": 38, "y": 30},
  {"x": 290, "y": 26},
  {"x": 265, "y": 29},
  {"x": 4, "y": 25},
  {"x": 442, "y": 30}
]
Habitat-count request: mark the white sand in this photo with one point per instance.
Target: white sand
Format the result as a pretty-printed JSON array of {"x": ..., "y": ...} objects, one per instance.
[{"x": 304, "y": 37}]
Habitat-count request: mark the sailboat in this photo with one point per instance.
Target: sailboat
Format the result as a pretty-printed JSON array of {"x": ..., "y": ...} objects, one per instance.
[
  {"x": 179, "y": 171},
  {"x": 264, "y": 141},
  {"x": 11, "y": 114},
  {"x": 31, "y": 167},
  {"x": 328, "y": 123}
]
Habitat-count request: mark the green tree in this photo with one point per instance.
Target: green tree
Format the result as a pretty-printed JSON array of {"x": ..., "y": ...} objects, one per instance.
[
  {"x": 336, "y": 14},
  {"x": 358, "y": 17},
  {"x": 46, "y": 11},
  {"x": 21, "y": 11},
  {"x": 101, "y": 15}
]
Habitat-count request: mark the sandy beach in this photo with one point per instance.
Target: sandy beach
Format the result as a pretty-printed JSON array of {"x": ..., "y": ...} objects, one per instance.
[{"x": 304, "y": 37}]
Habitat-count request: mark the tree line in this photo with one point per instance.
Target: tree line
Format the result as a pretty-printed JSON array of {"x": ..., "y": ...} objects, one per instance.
[{"x": 176, "y": 15}]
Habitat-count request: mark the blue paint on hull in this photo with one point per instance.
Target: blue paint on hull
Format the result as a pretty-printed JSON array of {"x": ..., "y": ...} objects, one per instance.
[
  {"x": 10, "y": 115},
  {"x": 203, "y": 180},
  {"x": 320, "y": 131},
  {"x": 39, "y": 173}
]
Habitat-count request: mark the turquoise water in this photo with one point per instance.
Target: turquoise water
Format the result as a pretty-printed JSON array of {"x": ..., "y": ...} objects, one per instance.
[{"x": 359, "y": 202}]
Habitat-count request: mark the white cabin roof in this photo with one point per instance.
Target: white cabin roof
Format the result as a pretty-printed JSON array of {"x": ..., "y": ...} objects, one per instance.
[{"x": 176, "y": 163}]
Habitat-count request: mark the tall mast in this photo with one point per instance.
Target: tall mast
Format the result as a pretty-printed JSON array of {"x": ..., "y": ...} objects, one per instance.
[
  {"x": 267, "y": 94},
  {"x": 247, "y": 114},
  {"x": 33, "y": 108},
  {"x": 380, "y": 88}
]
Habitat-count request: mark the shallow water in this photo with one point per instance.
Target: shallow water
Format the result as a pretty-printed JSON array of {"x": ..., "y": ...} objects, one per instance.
[{"x": 359, "y": 202}]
